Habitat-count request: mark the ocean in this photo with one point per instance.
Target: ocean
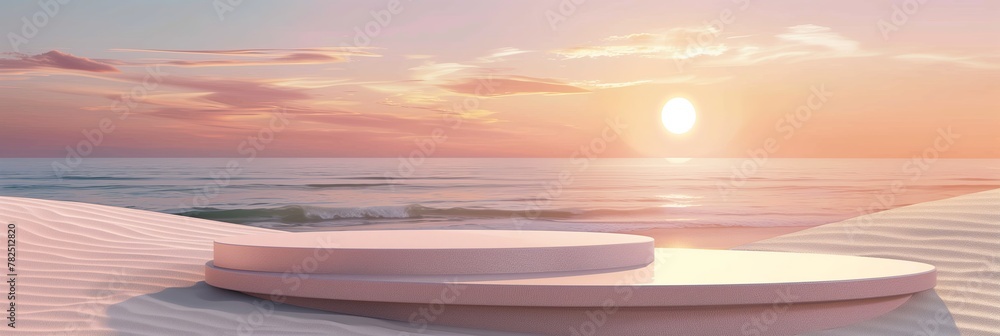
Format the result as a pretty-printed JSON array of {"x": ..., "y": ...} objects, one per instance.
[{"x": 535, "y": 194}]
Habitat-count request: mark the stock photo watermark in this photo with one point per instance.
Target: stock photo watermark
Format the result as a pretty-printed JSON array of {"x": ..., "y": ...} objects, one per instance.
[
  {"x": 759, "y": 324},
  {"x": 562, "y": 11},
  {"x": 292, "y": 278},
  {"x": 366, "y": 33},
  {"x": 624, "y": 291},
  {"x": 900, "y": 16},
  {"x": 93, "y": 310},
  {"x": 12, "y": 275},
  {"x": 31, "y": 25},
  {"x": 581, "y": 159},
  {"x": 249, "y": 148},
  {"x": 424, "y": 316},
  {"x": 932, "y": 325},
  {"x": 914, "y": 168},
  {"x": 123, "y": 107},
  {"x": 702, "y": 42},
  {"x": 223, "y": 7},
  {"x": 786, "y": 126},
  {"x": 426, "y": 146}
]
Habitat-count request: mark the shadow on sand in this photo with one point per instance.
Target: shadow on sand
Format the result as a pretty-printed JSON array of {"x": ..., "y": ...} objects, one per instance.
[
  {"x": 205, "y": 310},
  {"x": 925, "y": 314}
]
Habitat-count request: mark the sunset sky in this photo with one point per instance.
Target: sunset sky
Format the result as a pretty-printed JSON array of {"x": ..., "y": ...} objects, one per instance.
[{"x": 499, "y": 79}]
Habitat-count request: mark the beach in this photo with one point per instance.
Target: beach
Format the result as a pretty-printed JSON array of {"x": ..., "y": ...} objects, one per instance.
[{"x": 87, "y": 269}]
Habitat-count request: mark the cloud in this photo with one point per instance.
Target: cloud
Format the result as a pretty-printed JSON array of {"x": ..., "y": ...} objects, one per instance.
[
  {"x": 797, "y": 43},
  {"x": 299, "y": 58},
  {"x": 371, "y": 121},
  {"x": 187, "y": 96},
  {"x": 435, "y": 104},
  {"x": 498, "y": 55},
  {"x": 255, "y": 57},
  {"x": 310, "y": 83},
  {"x": 352, "y": 51},
  {"x": 423, "y": 89},
  {"x": 433, "y": 72},
  {"x": 432, "y": 86},
  {"x": 54, "y": 60},
  {"x": 976, "y": 62},
  {"x": 415, "y": 99},
  {"x": 513, "y": 85},
  {"x": 602, "y": 85},
  {"x": 238, "y": 93},
  {"x": 676, "y": 43},
  {"x": 810, "y": 34}
]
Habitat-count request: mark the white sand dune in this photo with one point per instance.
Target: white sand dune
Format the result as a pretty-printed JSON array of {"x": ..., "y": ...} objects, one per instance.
[
  {"x": 95, "y": 270},
  {"x": 87, "y": 269},
  {"x": 960, "y": 236}
]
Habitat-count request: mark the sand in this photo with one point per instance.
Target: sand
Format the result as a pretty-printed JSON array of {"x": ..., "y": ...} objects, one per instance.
[
  {"x": 960, "y": 236},
  {"x": 94, "y": 270}
]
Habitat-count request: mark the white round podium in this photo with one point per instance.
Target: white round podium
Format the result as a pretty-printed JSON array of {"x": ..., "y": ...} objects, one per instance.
[{"x": 563, "y": 283}]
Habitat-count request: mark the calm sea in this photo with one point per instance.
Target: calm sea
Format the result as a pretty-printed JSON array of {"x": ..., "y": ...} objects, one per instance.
[{"x": 559, "y": 194}]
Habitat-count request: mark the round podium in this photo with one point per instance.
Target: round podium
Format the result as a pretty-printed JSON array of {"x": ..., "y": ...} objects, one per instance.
[
  {"x": 563, "y": 283},
  {"x": 434, "y": 252}
]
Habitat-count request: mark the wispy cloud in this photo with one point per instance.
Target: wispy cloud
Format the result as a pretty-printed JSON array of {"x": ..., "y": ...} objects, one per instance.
[
  {"x": 354, "y": 51},
  {"x": 54, "y": 59},
  {"x": 499, "y": 55},
  {"x": 795, "y": 44},
  {"x": 813, "y": 35},
  {"x": 433, "y": 72},
  {"x": 310, "y": 83},
  {"x": 605, "y": 85},
  {"x": 513, "y": 85},
  {"x": 676, "y": 43},
  {"x": 433, "y": 85},
  {"x": 238, "y": 93},
  {"x": 186, "y": 97},
  {"x": 976, "y": 62},
  {"x": 257, "y": 57}
]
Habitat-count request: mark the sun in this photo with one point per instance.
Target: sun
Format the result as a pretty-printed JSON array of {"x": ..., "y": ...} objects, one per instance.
[{"x": 678, "y": 116}]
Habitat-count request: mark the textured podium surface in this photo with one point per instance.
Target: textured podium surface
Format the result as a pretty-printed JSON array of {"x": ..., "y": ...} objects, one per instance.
[{"x": 555, "y": 283}]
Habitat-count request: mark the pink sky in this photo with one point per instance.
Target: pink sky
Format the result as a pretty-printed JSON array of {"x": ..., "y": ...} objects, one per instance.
[{"x": 503, "y": 79}]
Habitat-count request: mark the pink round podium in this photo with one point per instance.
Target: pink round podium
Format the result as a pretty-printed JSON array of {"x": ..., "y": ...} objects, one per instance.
[
  {"x": 563, "y": 283},
  {"x": 434, "y": 252}
]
